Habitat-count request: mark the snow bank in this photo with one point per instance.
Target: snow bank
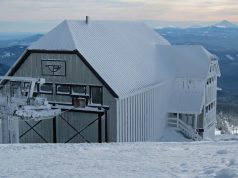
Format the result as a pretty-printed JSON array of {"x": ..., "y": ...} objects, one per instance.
[
  {"x": 171, "y": 134},
  {"x": 196, "y": 159}
]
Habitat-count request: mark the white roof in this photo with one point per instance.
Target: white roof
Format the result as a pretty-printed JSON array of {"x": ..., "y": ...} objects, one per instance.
[
  {"x": 186, "y": 61},
  {"x": 123, "y": 53},
  {"x": 127, "y": 55},
  {"x": 189, "y": 102}
]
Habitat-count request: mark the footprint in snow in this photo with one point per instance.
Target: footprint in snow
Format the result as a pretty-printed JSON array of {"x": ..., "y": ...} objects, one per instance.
[
  {"x": 232, "y": 162},
  {"x": 221, "y": 152},
  {"x": 226, "y": 173}
]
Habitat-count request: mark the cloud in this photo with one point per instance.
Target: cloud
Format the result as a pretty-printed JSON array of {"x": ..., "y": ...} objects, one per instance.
[{"x": 180, "y": 10}]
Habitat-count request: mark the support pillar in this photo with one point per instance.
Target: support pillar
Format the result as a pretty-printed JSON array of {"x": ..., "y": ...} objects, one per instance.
[
  {"x": 106, "y": 132},
  {"x": 5, "y": 130},
  {"x": 99, "y": 128},
  {"x": 196, "y": 121},
  {"x": 54, "y": 131},
  {"x": 10, "y": 130},
  {"x": 0, "y": 131}
]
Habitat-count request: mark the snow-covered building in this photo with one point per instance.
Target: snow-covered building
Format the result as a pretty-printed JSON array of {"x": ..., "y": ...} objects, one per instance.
[{"x": 131, "y": 81}]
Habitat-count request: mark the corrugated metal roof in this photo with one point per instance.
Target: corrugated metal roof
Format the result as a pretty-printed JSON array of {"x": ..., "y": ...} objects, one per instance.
[
  {"x": 123, "y": 53},
  {"x": 127, "y": 55},
  {"x": 186, "y": 102},
  {"x": 60, "y": 38},
  {"x": 186, "y": 61}
]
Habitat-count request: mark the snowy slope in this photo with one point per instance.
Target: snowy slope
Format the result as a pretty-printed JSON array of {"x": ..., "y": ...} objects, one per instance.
[{"x": 200, "y": 159}]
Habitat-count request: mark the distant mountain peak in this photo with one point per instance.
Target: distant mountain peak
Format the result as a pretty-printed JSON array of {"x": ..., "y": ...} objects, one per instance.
[{"x": 225, "y": 24}]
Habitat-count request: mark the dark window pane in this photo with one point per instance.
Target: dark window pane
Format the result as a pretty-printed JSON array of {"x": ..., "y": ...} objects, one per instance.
[
  {"x": 63, "y": 89},
  {"x": 46, "y": 88},
  {"x": 78, "y": 89},
  {"x": 172, "y": 115},
  {"x": 15, "y": 88},
  {"x": 96, "y": 95}
]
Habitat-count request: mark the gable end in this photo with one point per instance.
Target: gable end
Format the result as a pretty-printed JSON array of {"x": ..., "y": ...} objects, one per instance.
[{"x": 27, "y": 53}]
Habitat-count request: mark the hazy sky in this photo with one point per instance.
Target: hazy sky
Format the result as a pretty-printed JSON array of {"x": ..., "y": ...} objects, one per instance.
[{"x": 164, "y": 10}]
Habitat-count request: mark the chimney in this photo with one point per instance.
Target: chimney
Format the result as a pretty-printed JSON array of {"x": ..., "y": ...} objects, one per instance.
[{"x": 87, "y": 19}]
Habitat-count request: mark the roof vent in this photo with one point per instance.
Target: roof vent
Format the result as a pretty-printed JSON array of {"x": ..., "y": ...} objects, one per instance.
[{"x": 87, "y": 19}]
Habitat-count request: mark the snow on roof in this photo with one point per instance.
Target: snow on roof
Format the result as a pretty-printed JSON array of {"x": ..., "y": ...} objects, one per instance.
[
  {"x": 189, "y": 102},
  {"x": 127, "y": 55},
  {"x": 186, "y": 61},
  {"x": 123, "y": 53}
]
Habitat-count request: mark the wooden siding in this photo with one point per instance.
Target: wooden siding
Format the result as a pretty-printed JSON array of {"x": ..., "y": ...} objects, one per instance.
[
  {"x": 142, "y": 115},
  {"x": 76, "y": 72},
  {"x": 211, "y": 97},
  {"x": 0, "y": 130}
]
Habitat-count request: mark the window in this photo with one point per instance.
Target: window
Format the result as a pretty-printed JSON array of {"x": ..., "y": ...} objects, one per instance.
[
  {"x": 15, "y": 84},
  {"x": 180, "y": 116},
  {"x": 172, "y": 115},
  {"x": 46, "y": 88},
  {"x": 28, "y": 84},
  {"x": 78, "y": 90},
  {"x": 96, "y": 95},
  {"x": 62, "y": 89},
  {"x": 15, "y": 88}
]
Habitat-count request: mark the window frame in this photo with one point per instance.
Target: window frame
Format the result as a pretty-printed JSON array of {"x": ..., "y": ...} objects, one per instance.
[
  {"x": 76, "y": 85},
  {"x": 90, "y": 94},
  {"x": 43, "y": 92},
  {"x": 56, "y": 89}
]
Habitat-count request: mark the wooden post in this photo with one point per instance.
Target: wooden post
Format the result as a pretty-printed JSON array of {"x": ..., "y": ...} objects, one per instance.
[
  {"x": 106, "y": 134},
  {"x": 99, "y": 128},
  {"x": 195, "y": 121},
  {"x": 0, "y": 131},
  {"x": 54, "y": 131}
]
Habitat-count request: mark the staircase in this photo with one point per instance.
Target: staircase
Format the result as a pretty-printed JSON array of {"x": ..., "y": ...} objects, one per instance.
[{"x": 186, "y": 129}]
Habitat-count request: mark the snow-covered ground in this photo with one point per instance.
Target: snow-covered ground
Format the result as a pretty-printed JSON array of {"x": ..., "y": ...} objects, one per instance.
[
  {"x": 170, "y": 134},
  {"x": 195, "y": 159}
]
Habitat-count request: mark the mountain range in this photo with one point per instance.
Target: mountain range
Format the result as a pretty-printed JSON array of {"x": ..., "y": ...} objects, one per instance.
[
  {"x": 225, "y": 24},
  {"x": 18, "y": 41},
  {"x": 11, "y": 49}
]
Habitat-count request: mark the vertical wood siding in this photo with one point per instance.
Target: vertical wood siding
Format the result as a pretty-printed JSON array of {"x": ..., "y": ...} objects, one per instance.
[
  {"x": 76, "y": 72},
  {"x": 142, "y": 115}
]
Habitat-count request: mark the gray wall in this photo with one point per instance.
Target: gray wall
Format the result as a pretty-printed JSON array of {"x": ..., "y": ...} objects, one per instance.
[{"x": 76, "y": 72}]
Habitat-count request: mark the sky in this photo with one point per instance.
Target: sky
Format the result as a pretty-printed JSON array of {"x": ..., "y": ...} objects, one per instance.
[{"x": 42, "y": 14}]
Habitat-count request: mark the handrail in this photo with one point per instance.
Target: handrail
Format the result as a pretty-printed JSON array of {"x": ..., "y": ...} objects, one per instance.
[{"x": 185, "y": 128}]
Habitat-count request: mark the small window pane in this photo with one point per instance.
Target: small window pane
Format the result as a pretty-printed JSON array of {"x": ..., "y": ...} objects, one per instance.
[
  {"x": 172, "y": 115},
  {"x": 63, "y": 89},
  {"x": 78, "y": 89},
  {"x": 15, "y": 88},
  {"x": 15, "y": 84},
  {"x": 46, "y": 88},
  {"x": 96, "y": 95}
]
